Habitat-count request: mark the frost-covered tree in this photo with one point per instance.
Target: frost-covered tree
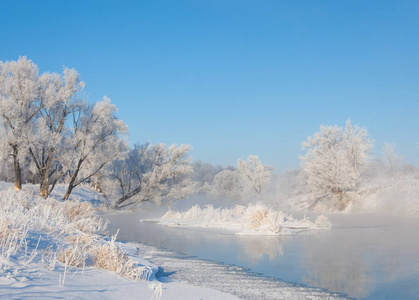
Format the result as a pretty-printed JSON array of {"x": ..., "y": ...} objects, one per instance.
[
  {"x": 151, "y": 173},
  {"x": 19, "y": 108},
  {"x": 393, "y": 160},
  {"x": 249, "y": 179},
  {"x": 204, "y": 172},
  {"x": 358, "y": 145},
  {"x": 58, "y": 96},
  {"x": 259, "y": 175},
  {"x": 227, "y": 184},
  {"x": 95, "y": 141},
  {"x": 334, "y": 159},
  {"x": 6, "y": 162}
]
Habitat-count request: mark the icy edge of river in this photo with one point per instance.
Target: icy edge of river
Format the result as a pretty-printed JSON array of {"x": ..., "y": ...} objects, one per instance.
[{"x": 226, "y": 278}]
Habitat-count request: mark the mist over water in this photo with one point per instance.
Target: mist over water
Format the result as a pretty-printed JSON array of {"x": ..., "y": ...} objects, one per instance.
[{"x": 363, "y": 256}]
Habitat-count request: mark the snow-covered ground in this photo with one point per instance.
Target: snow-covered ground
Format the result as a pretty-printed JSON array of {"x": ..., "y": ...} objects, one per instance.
[
  {"x": 55, "y": 249},
  {"x": 36, "y": 281}
]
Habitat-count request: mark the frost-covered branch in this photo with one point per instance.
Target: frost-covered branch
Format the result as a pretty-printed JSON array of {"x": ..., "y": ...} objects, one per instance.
[
  {"x": 95, "y": 142},
  {"x": 151, "y": 173}
]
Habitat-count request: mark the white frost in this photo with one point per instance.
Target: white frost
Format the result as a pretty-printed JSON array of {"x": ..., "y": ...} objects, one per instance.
[{"x": 251, "y": 219}]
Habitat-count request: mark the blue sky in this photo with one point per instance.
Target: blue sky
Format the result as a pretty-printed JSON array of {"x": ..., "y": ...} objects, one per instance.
[{"x": 234, "y": 78}]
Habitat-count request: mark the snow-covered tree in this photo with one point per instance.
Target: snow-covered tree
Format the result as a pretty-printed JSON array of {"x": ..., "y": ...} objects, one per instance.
[
  {"x": 228, "y": 184},
  {"x": 204, "y": 172},
  {"x": 58, "y": 95},
  {"x": 259, "y": 175},
  {"x": 19, "y": 108},
  {"x": 94, "y": 143},
  {"x": 151, "y": 173},
  {"x": 393, "y": 160},
  {"x": 358, "y": 145},
  {"x": 334, "y": 158},
  {"x": 250, "y": 178}
]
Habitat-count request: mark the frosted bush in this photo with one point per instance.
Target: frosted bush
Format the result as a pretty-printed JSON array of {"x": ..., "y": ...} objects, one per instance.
[
  {"x": 83, "y": 217},
  {"x": 193, "y": 213},
  {"x": 322, "y": 222},
  {"x": 261, "y": 217},
  {"x": 15, "y": 222},
  {"x": 253, "y": 217},
  {"x": 49, "y": 259},
  {"x": 73, "y": 228},
  {"x": 73, "y": 256},
  {"x": 110, "y": 257}
]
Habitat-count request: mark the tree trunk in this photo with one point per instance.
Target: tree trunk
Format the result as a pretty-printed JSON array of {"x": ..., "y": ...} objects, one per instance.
[
  {"x": 18, "y": 174},
  {"x": 43, "y": 190},
  {"x": 69, "y": 190},
  {"x": 71, "y": 184},
  {"x": 44, "y": 187},
  {"x": 341, "y": 203},
  {"x": 127, "y": 196}
]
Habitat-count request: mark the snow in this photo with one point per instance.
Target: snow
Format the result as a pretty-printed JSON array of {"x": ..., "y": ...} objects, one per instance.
[
  {"x": 36, "y": 232},
  {"x": 92, "y": 283},
  {"x": 253, "y": 219}
]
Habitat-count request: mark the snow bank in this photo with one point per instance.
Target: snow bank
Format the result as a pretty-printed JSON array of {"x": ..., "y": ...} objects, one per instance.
[
  {"x": 69, "y": 231},
  {"x": 251, "y": 219}
]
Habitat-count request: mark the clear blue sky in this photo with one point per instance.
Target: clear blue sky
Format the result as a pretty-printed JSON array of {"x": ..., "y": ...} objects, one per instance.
[{"x": 234, "y": 78}]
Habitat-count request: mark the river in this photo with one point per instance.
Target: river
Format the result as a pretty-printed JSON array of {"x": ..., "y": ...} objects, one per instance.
[{"x": 363, "y": 256}]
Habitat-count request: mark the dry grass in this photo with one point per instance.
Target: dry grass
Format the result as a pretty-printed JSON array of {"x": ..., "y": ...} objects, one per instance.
[
  {"x": 110, "y": 257},
  {"x": 73, "y": 226},
  {"x": 72, "y": 256},
  {"x": 257, "y": 218}
]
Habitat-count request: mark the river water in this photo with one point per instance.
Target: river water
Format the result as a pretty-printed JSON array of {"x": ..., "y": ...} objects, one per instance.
[{"x": 363, "y": 256}]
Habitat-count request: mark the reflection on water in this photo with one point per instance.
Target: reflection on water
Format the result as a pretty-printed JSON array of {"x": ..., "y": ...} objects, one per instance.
[
  {"x": 335, "y": 263},
  {"x": 258, "y": 248},
  {"x": 362, "y": 256}
]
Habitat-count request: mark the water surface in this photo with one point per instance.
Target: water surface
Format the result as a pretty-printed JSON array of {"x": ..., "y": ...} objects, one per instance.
[{"x": 363, "y": 256}]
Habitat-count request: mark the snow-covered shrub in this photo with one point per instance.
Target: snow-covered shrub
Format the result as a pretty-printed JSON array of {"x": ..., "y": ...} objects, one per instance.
[
  {"x": 15, "y": 222},
  {"x": 72, "y": 228},
  {"x": 253, "y": 217},
  {"x": 322, "y": 222},
  {"x": 110, "y": 257},
  {"x": 74, "y": 255},
  {"x": 261, "y": 217},
  {"x": 83, "y": 216}
]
